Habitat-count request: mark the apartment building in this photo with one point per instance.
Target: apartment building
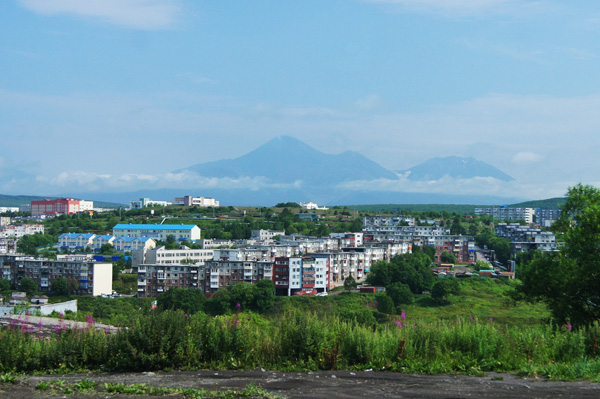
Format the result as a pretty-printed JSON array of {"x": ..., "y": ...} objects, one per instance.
[
  {"x": 201, "y": 202},
  {"x": 219, "y": 274},
  {"x": 21, "y": 229},
  {"x": 154, "y": 279},
  {"x": 163, "y": 256},
  {"x": 59, "y": 206},
  {"x": 525, "y": 238},
  {"x": 85, "y": 276},
  {"x": 181, "y": 232},
  {"x": 505, "y": 213},
  {"x": 546, "y": 217},
  {"x": 375, "y": 221},
  {"x": 265, "y": 235},
  {"x": 298, "y": 275}
]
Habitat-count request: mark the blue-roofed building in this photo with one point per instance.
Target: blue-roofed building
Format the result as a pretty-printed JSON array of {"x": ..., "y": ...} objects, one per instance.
[
  {"x": 181, "y": 232},
  {"x": 75, "y": 241},
  {"x": 128, "y": 244},
  {"x": 100, "y": 240}
]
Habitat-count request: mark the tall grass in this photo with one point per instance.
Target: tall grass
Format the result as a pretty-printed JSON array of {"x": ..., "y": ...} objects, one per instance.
[{"x": 301, "y": 340}]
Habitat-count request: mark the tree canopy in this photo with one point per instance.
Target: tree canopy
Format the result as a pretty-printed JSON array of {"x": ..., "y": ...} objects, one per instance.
[
  {"x": 411, "y": 269},
  {"x": 569, "y": 281}
]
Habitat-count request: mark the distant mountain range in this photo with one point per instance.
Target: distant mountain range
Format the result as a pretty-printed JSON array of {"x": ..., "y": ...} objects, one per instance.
[
  {"x": 287, "y": 160},
  {"x": 286, "y": 169},
  {"x": 456, "y": 167}
]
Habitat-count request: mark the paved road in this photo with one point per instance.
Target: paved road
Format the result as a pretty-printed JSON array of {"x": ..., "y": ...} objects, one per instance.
[{"x": 331, "y": 384}]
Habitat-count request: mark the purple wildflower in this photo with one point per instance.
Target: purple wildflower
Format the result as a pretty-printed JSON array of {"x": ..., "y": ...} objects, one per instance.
[
  {"x": 569, "y": 326},
  {"x": 185, "y": 315},
  {"x": 238, "y": 305},
  {"x": 491, "y": 319},
  {"x": 403, "y": 315},
  {"x": 458, "y": 319},
  {"x": 40, "y": 325},
  {"x": 471, "y": 318},
  {"x": 398, "y": 324}
]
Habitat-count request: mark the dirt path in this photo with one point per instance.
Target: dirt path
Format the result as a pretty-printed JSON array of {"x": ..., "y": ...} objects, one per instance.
[{"x": 322, "y": 385}]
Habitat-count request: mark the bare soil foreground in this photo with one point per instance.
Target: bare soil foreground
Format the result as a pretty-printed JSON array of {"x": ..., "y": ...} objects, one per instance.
[{"x": 322, "y": 384}]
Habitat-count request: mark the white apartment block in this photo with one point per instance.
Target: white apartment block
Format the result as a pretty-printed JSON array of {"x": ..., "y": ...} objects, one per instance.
[
  {"x": 201, "y": 202},
  {"x": 265, "y": 235},
  {"x": 162, "y": 256},
  {"x": 7, "y": 209},
  {"x": 20, "y": 230},
  {"x": 504, "y": 213}
]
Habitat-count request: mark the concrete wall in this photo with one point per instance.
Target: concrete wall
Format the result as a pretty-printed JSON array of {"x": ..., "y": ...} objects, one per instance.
[{"x": 44, "y": 310}]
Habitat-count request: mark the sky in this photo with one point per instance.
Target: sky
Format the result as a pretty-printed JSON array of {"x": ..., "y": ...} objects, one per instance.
[{"x": 115, "y": 95}]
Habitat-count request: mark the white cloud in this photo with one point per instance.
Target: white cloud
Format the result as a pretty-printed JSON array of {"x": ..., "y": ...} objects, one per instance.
[
  {"x": 527, "y": 157},
  {"x": 476, "y": 186},
  {"x": 369, "y": 102},
  {"x": 137, "y": 14},
  {"x": 95, "y": 182}
]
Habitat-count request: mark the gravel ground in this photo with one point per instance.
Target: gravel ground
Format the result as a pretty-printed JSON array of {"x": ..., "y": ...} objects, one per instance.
[{"x": 325, "y": 385}]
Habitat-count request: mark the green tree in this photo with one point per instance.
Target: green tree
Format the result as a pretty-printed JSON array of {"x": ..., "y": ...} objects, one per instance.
[
  {"x": 188, "y": 300},
  {"x": 447, "y": 257},
  {"x": 264, "y": 295},
  {"x": 28, "y": 285},
  {"x": 442, "y": 290},
  {"x": 4, "y": 284},
  {"x": 400, "y": 294},
  {"x": 349, "y": 283},
  {"x": 569, "y": 281},
  {"x": 60, "y": 286}
]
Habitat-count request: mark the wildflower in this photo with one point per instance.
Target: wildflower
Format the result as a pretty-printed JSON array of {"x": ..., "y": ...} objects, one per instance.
[
  {"x": 238, "y": 305},
  {"x": 471, "y": 317},
  {"x": 27, "y": 313},
  {"x": 403, "y": 315},
  {"x": 40, "y": 325},
  {"x": 248, "y": 318},
  {"x": 185, "y": 315},
  {"x": 569, "y": 326},
  {"x": 458, "y": 319},
  {"x": 105, "y": 329},
  {"x": 491, "y": 319},
  {"x": 398, "y": 324}
]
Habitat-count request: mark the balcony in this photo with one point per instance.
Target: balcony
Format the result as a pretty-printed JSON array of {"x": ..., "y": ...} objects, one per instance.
[
  {"x": 141, "y": 283},
  {"x": 141, "y": 290},
  {"x": 141, "y": 269}
]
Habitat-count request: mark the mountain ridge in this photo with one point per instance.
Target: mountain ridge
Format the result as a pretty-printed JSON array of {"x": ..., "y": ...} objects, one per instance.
[
  {"x": 285, "y": 159},
  {"x": 456, "y": 167}
]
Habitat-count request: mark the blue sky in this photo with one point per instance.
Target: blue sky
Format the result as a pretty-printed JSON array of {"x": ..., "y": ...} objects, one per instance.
[{"x": 116, "y": 94}]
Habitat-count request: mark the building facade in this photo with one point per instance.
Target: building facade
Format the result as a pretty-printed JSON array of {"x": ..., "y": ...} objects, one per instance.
[
  {"x": 85, "y": 277},
  {"x": 181, "y": 232}
]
